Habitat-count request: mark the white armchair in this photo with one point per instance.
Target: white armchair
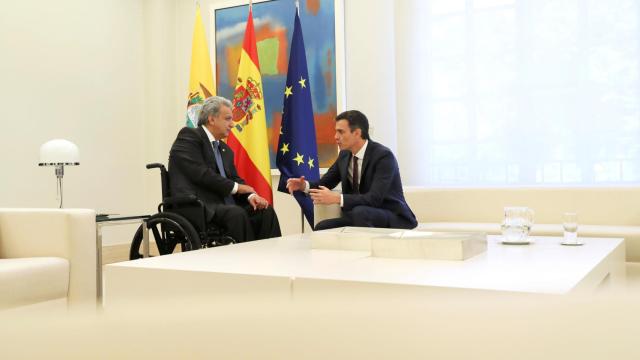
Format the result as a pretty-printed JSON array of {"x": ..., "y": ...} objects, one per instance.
[
  {"x": 324, "y": 212},
  {"x": 47, "y": 255}
]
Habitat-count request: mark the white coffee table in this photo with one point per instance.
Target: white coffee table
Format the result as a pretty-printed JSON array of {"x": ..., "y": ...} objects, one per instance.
[{"x": 287, "y": 269}]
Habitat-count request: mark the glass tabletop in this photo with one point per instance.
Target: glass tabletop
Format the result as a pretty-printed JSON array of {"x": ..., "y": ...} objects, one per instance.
[{"x": 118, "y": 217}]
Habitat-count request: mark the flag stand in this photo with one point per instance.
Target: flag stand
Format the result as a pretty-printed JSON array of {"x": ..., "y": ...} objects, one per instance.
[{"x": 302, "y": 219}]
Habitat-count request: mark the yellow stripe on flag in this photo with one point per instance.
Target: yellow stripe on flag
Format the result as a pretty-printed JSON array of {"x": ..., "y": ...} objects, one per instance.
[{"x": 201, "y": 78}]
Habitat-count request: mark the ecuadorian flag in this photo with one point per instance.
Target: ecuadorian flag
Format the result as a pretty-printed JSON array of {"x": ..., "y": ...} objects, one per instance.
[
  {"x": 248, "y": 138},
  {"x": 201, "y": 78}
]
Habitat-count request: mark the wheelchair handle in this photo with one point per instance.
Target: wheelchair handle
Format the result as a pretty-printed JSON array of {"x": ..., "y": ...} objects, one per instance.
[{"x": 155, "y": 165}]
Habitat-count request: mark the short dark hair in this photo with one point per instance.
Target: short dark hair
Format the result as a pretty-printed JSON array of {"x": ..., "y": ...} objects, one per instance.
[{"x": 356, "y": 120}]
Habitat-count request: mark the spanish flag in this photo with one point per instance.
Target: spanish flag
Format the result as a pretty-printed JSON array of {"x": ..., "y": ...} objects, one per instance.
[
  {"x": 248, "y": 138},
  {"x": 201, "y": 79}
]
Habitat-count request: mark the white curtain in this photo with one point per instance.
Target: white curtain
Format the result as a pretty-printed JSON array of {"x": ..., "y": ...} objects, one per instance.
[{"x": 519, "y": 92}]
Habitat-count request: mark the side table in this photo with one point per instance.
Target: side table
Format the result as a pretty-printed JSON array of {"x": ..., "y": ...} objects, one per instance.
[{"x": 111, "y": 220}]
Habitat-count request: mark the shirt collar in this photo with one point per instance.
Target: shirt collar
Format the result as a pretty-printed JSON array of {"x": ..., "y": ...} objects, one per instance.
[
  {"x": 360, "y": 153},
  {"x": 206, "y": 131}
]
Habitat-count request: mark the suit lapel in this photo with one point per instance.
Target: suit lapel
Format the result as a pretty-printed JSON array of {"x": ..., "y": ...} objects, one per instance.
[
  {"x": 365, "y": 163},
  {"x": 344, "y": 172},
  {"x": 210, "y": 158}
]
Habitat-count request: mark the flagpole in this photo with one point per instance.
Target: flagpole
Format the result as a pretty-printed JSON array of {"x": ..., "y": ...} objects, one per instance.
[{"x": 301, "y": 209}]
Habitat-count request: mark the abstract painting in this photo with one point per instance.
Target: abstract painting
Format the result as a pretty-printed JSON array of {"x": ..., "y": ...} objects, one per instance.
[{"x": 273, "y": 22}]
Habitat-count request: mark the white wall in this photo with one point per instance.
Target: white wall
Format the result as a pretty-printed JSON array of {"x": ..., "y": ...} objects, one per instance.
[
  {"x": 72, "y": 69},
  {"x": 370, "y": 65},
  {"x": 161, "y": 100}
]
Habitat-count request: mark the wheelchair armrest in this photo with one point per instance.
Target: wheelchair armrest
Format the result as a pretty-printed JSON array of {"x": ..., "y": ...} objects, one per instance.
[{"x": 183, "y": 200}]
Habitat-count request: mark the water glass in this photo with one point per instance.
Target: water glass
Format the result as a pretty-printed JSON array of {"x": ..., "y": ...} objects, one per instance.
[
  {"x": 570, "y": 225},
  {"x": 517, "y": 224}
]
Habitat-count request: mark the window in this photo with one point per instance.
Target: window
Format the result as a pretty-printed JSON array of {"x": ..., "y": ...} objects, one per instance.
[{"x": 528, "y": 92}]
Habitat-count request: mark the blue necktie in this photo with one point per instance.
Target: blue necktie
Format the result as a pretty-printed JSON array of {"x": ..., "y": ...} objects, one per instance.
[{"x": 216, "y": 152}]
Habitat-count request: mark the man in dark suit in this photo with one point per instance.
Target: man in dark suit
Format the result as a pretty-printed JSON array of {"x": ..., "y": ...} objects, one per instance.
[
  {"x": 202, "y": 165},
  {"x": 368, "y": 171}
]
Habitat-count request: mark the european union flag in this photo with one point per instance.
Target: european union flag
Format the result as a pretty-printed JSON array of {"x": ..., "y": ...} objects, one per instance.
[{"x": 297, "y": 150}]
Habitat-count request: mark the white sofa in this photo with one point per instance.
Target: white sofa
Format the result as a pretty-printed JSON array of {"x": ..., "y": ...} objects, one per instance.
[
  {"x": 47, "y": 256},
  {"x": 602, "y": 212}
]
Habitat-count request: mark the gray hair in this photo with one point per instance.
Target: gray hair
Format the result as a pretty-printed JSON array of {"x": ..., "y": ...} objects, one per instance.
[{"x": 211, "y": 106}]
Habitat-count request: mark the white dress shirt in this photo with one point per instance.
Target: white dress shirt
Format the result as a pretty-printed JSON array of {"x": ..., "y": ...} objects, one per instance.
[{"x": 360, "y": 155}]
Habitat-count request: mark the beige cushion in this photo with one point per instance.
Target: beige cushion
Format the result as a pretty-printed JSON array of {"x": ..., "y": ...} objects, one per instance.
[
  {"x": 69, "y": 234},
  {"x": 25, "y": 281}
]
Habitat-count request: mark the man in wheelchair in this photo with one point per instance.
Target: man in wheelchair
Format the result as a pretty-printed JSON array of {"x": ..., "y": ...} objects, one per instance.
[{"x": 202, "y": 165}]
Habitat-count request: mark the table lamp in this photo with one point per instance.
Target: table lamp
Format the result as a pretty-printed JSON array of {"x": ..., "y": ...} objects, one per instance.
[{"x": 58, "y": 153}]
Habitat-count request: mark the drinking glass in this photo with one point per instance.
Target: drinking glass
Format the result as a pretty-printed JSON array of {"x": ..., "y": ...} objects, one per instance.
[
  {"x": 570, "y": 225},
  {"x": 517, "y": 224}
]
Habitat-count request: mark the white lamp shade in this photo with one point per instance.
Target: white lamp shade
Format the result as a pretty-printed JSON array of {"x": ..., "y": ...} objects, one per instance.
[{"x": 59, "y": 152}]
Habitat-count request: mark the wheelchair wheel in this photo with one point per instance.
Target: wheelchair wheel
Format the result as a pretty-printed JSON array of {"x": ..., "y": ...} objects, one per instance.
[{"x": 168, "y": 230}]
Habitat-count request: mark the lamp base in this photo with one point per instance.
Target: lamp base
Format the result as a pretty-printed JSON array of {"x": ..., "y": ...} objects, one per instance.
[{"x": 59, "y": 174}]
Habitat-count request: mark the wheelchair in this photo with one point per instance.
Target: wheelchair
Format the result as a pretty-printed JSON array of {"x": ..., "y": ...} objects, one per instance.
[{"x": 180, "y": 220}]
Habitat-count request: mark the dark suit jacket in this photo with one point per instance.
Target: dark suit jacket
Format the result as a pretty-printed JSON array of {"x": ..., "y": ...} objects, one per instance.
[
  {"x": 193, "y": 170},
  {"x": 380, "y": 184}
]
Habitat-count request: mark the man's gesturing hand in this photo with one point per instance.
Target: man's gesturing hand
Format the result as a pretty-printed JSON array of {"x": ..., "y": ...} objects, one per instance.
[{"x": 296, "y": 184}]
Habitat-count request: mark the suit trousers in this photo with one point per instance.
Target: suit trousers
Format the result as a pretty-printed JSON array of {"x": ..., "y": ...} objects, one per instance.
[
  {"x": 366, "y": 216},
  {"x": 243, "y": 223}
]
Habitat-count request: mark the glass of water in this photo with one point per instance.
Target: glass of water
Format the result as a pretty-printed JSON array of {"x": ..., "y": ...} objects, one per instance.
[
  {"x": 516, "y": 225},
  {"x": 570, "y": 225}
]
